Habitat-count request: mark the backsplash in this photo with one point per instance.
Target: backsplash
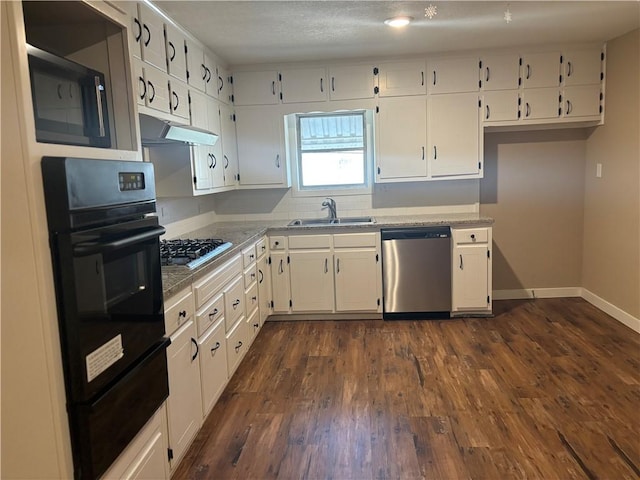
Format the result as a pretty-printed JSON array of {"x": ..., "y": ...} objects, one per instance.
[{"x": 417, "y": 198}]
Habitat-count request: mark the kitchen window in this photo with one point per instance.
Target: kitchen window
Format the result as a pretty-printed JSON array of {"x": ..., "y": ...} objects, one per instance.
[{"x": 331, "y": 152}]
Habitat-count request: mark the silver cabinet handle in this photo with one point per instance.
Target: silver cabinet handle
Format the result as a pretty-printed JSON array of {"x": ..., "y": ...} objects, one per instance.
[{"x": 99, "y": 89}]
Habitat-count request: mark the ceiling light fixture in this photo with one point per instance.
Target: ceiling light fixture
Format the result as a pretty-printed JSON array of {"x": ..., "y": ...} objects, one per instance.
[
  {"x": 398, "y": 22},
  {"x": 431, "y": 11}
]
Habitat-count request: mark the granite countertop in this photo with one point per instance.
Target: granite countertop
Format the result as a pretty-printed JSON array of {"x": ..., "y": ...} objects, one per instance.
[{"x": 241, "y": 234}]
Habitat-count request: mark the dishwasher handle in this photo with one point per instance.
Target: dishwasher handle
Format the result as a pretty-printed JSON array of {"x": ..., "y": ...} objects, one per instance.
[{"x": 415, "y": 233}]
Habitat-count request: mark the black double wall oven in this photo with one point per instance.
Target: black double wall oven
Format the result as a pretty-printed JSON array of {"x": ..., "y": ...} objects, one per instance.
[{"x": 106, "y": 263}]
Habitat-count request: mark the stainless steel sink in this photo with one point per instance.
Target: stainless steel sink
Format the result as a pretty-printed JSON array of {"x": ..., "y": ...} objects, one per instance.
[{"x": 306, "y": 222}]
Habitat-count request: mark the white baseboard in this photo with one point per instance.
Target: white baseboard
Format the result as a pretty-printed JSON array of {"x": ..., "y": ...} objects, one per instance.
[
  {"x": 608, "y": 308},
  {"x": 537, "y": 293}
]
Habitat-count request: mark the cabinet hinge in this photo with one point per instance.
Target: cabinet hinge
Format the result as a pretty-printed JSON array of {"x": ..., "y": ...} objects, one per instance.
[
  {"x": 480, "y": 64},
  {"x": 269, "y": 259},
  {"x": 290, "y": 304},
  {"x": 479, "y": 165},
  {"x": 601, "y": 76},
  {"x": 238, "y": 177},
  {"x": 600, "y": 108},
  {"x": 488, "y": 253},
  {"x": 233, "y": 117},
  {"x": 480, "y": 83},
  {"x": 520, "y": 61},
  {"x": 377, "y": 109},
  {"x": 271, "y": 304},
  {"x": 377, "y": 258},
  {"x": 232, "y": 97},
  {"x": 375, "y": 70},
  {"x": 488, "y": 299},
  {"x": 561, "y": 59},
  {"x": 280, "y": 95},
  {"x": 602, "y": 56},
  {"x": 560, "y": 78},
  {"x": 279, "y": 77},
  {"x": 519, "y": 81},
  {"x": 376, "y": 90},
  {"x": 188, "y": 76},
  {"x": 378, "y": 170},
  {"x": 479, "y": 102},
  {"x": 378, "y": 301},
  {"x": 288, "y": 259},
  {"x": 170, "y": 453},
  {"x": 230, "y": 79},
  {"x": 195, "y": 180}
]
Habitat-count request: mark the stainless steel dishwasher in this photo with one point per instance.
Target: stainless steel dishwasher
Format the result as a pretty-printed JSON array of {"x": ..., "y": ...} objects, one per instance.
[{"x": 416, "y": 272}]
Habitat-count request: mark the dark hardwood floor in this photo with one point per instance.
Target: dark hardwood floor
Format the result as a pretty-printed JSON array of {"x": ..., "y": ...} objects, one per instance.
[{"x": 547, "y": 389}]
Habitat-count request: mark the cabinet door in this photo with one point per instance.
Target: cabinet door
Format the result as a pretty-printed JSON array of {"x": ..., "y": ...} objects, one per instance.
[
  {"x": 211, "y": 80},
  {"x": 540, "y": 103},
  {"x": 176, "y": 58},
  {"x": 256, "y": 88},
  {"x": 237, "y": 345},
  {"x": 470, "y": 277},
  {"x": 499, "y": 106},
  {"x": 453, "y": 134},
  {"x": 229, "y": 145},
  {"x": 202, "y": 165},
  {"x": 280, "y": 282},
  {"x": 179, "y": 99},
  {"x": 540, "y": 70},
  {"x": 453, "y": 75},
  {"x": 581, "y": 101},
  {"x": 582, "y": 67},
  {"x": 224, "y": 85},
  {"x": 157, "y": 91},
  {"x": 213, "y": 366},
  {"x": 401, "y": 78},
  {"x": 184, "y": 406},
  {"x": 311, "y": 281},
  {"x": 499, "y": 72},
  {"x": 217, "y": 167},
  {"x": 264, "y": 288},
  {"x": 400, "y": 131},
  {"x": 141, "y": 83},
  {"x": 303, "y": 85},
  {"x": 348, "y": 82},
  {"x": 198, "y": 106},
  {"x": 356, "y": 279},
  {"x": 196, "y": 70},
  {"x": 135, "y": 28},
  {"x": 260, "y": 139},
  {"x": 152, "y": 40}
]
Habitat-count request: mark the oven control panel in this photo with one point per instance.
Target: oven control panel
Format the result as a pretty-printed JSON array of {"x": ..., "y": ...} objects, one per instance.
[{"x": 131, "y": 181}]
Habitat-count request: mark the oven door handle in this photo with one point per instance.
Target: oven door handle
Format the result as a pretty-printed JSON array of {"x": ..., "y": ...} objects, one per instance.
[{"x": 89, "y": 248}]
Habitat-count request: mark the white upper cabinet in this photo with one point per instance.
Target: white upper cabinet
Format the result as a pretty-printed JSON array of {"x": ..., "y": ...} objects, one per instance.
[
  {"x": 453, "y": 134},
  {"x": 581, "y": 101},
  {"x": 224, "y": 85},
  {"x": 351, "y": 82},
  {"x": 582, "y": 67},
  {"x": 176, "y": 57},
  {"x": 452, "y": 75},
  {"x": 540, "y": 70},
  {"x": 179, "y": 99},
  {"x": 401, "y": 78},
  {"x": 229, "y": 145},
  {"x": 198, "y": 106},
  {"x": 201, "y": 70},
  {"x": 401, "y": 135},
  {"x": 500, "y": 106},
  {"x": 540, "y": 103},
  {"x": 261, "y": 159},
  {"x": 256, "y": 88},
  {"x": 303, "y": 85},
  {"x": 499, "y": 72},
  {"x": 152, "y": 37},
  {"x": 155, "y": 89}
]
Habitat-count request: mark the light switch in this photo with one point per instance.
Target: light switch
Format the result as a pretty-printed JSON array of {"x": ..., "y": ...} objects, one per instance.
[{"x": 598, "y": 170}]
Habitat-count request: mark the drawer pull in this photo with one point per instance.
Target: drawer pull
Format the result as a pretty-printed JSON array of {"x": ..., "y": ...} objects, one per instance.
[
  {"x": 214, "y": 348},
  {"x": 182, "y": 314},
  {"x": 235, "y": 304},
  {"x": 253, "y": 275},
  {"x": 254, "y": 298},
  {"x": 256, "y": 325},
  {"x": 213, "y": 314},
  {"x": 473, "y": 237},
  {"x": 195, "y": 355},
  {"x": 238, "y": 346}
]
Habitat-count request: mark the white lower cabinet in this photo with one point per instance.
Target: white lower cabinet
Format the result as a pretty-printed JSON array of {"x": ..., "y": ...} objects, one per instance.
[
  {"x": 311, "y": 280},
  {"x": 146, "y": 456},
  {"x": 264, "y": 280},
  {"x": 184, "y": 411},
  {"x": 471, "y": 274},
  {"x": 213, "y": 365},
  {"x": 280, "y": 285},
  {"x": 357, "y": 275}
]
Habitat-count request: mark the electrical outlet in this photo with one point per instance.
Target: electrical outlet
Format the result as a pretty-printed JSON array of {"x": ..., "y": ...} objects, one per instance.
[{"x": 598, "y": 170}]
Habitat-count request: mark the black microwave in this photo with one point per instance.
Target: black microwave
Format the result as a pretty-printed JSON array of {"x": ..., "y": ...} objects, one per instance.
[{"x": 69, "y": 101}]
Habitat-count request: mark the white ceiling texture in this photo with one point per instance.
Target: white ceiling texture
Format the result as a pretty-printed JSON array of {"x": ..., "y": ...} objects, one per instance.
[{"x": 254, "y": 32}]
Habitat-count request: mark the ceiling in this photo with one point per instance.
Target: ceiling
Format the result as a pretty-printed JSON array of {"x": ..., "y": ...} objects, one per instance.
[{"x": 253, "y": 32}]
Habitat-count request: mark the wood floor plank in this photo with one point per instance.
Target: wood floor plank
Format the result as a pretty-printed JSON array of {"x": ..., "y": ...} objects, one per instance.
[{"x": 547, "y": 389}]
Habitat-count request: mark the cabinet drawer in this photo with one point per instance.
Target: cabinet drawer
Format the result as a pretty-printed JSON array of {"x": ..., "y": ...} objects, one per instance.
[
  {"x": 470, "y": 235},
  {"x": 347, "y": 240},
  {"x": 213, "y": 366},
  {"x": 210, "y": 313},
  {"x": 248, "y": 256},
  {"x": 178, "y": 309},
  {"x": 261, "y": 247},
  {"x": 204, "y": 289},
  {"x": 250, "y": 276},
  {"x": 309, "y": 241},
  {"x": 251, "y": 298},
  {"x": 237, "y": 345},
  {"x": 278, "y": 242},
  {"x": 233, "y": 302}
]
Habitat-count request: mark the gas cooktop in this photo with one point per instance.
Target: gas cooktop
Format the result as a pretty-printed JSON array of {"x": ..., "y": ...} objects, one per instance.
[{"x": 191, "y": 253}]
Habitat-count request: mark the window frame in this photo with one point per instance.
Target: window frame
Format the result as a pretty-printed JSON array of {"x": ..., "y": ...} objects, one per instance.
[{"x": 294, "y": 154}]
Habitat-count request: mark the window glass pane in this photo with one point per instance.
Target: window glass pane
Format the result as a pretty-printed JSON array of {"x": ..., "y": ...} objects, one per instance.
[{"x": 331, "y": 150}]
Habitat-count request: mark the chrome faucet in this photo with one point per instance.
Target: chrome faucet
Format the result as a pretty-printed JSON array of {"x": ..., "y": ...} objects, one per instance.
[{"x": 330, "y": 203}]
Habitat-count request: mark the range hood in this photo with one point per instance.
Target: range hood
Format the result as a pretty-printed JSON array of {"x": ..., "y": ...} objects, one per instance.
[{"x": 155, "y": 131}]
